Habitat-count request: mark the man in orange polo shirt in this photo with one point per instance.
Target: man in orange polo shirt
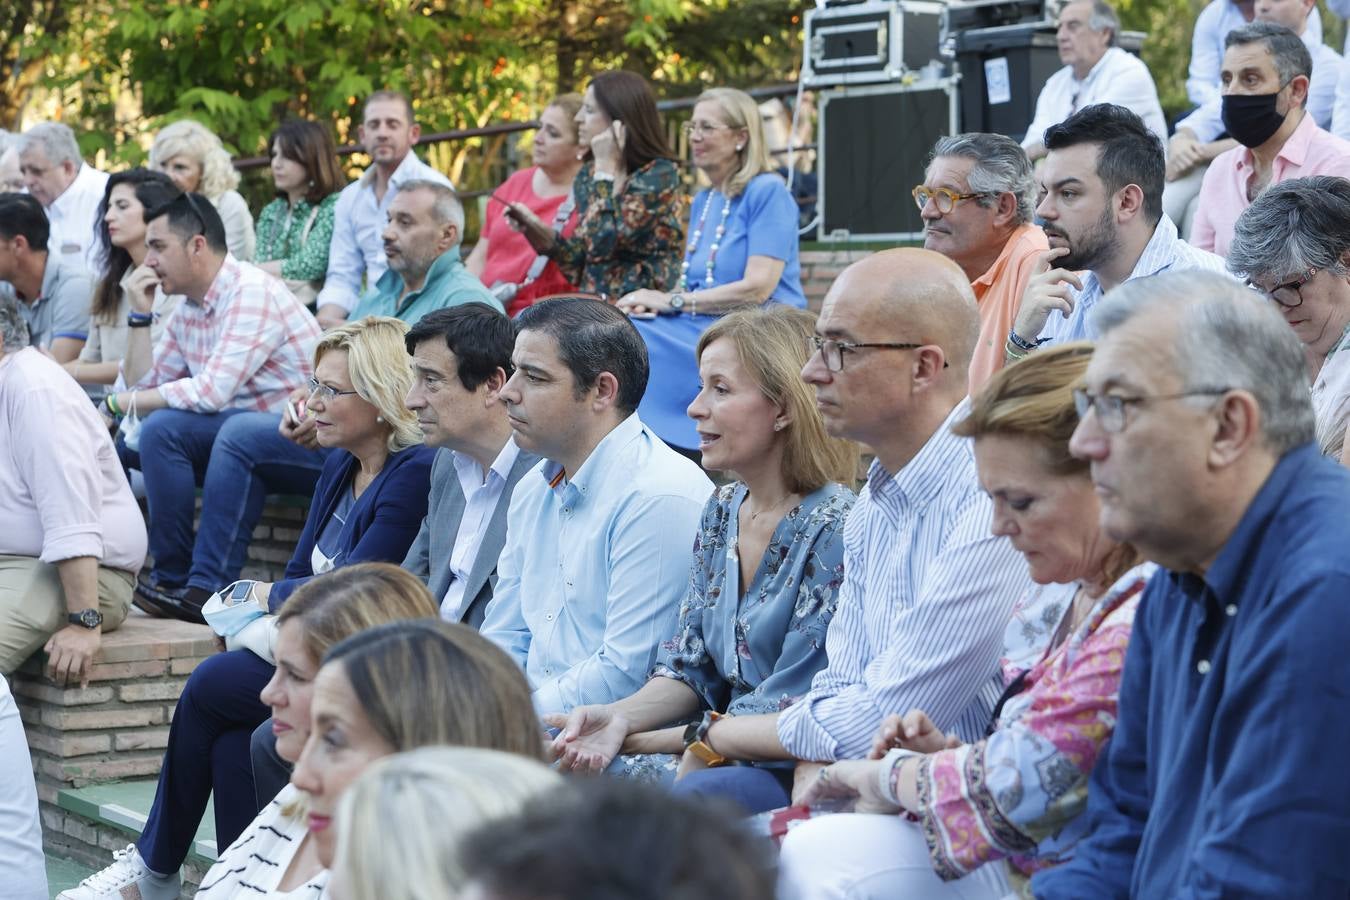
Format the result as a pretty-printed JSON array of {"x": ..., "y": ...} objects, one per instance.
[{"x": 977, "y": 202}]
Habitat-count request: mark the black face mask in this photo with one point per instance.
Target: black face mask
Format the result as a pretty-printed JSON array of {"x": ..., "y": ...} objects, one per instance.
[{"x": 1251, "y": 119}]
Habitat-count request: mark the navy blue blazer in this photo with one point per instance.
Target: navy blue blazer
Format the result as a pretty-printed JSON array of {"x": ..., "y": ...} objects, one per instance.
[{"x": 383, "y": 521}]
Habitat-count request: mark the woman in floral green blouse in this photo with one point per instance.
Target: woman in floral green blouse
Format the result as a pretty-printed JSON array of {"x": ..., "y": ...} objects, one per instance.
[
  {"x": 295, "y": 229},
  {"x": 629, "y": 200}
]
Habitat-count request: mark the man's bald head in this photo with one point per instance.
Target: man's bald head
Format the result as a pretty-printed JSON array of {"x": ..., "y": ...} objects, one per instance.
[
  {"x": 905, "y": 325},
  {"x": 920, "y": 295}
]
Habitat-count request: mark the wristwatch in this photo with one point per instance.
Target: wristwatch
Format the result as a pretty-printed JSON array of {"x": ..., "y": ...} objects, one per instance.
[
  {"x": 696, "y": 740},
  {"x": 677, "y": 303},
  {"x": 89, "y": 618}
]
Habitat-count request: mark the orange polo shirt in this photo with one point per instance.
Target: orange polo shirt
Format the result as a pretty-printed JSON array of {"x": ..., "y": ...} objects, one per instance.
[{"x": 999, "y": 295}]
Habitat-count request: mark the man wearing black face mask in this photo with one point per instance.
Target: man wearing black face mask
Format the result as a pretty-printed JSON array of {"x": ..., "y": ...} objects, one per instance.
[{"x": 1266, "y": 71}]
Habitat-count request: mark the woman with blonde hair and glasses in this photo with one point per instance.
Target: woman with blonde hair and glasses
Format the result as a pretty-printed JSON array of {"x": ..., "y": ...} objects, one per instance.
[
  {"x": 387, "y": 690},
  {"x": 933, "y": 817},
  {"x": 768, "y": 558},
  {"x": 322, "y": 613},
  {"x": 395, "y": 840},
  {"x": 191, "y": 154},
  {"x": 741, "y": 252}
]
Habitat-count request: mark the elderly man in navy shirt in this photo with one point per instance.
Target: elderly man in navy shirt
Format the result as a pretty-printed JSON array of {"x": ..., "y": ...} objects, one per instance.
[{"x": 1226, "y": 775}]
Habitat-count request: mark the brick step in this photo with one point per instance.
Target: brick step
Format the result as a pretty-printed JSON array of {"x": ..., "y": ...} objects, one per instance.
[{"x": 88, "y": 823}]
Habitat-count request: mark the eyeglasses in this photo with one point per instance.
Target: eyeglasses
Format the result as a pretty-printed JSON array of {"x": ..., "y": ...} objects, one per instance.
[
  {"x": 1290, "y": 294},
  {"x": 944, "y": 199},
  {"x": 1110, "y": 408},
  {"x": 702, "y": 128},
  {"x": 324, "y": 392},
  {"x": 833, "y": 351},
  {"x": 196, "y": 211}
]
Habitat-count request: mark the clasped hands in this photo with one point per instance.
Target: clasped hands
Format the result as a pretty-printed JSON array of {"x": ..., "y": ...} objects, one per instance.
[{"x": 859, "y": 780}]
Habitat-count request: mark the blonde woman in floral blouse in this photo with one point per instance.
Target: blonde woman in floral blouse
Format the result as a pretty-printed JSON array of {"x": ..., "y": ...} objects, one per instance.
[
  {"x": 295, "y": 229},
  {"x": 768, "y": 558},
  {"x": 629, "y": 201},
  {"x": 936, "y": 818}
]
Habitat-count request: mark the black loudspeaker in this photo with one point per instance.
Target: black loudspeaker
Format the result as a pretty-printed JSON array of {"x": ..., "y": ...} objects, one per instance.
[{"x": 874, "y": 143}]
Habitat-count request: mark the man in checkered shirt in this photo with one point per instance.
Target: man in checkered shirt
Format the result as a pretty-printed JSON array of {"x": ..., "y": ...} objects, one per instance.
[{"x": 240, "y": 341}]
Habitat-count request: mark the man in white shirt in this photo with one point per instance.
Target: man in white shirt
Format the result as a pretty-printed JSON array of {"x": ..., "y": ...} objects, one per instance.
[
  {"x": 1095, "y": 71},
  {"x": 1201, "y": 136},
  {"x": 461, "y": 356},
  {"x": 1217, "y": 19},
  {"x": 68, "y": 189},
  {"x": 389, "y": 131}
]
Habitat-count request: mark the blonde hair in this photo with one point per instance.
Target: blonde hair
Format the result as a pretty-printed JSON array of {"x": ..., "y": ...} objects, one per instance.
[
  {"x": 395, "y": 836},
  {"x": 740, "y": 112},
  {"x": 1033, "y": 399},
  {"x": 335, "y": 606},
  {"x": 378, "y": 365},
  {"x": 194, "y": 140},
  {"x": 569, "y": 104},
  {"x": 423, "y": 683},
  {"x": 771, "y": 342}
]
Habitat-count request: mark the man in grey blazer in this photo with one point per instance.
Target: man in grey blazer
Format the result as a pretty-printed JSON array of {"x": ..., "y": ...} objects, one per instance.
[{"x": 461, "y": 357}]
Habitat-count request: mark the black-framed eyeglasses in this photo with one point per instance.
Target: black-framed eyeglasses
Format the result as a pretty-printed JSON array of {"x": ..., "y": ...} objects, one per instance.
[
  {"x": 196, "y": 212},
  {"x": 1110, "y": 408},
  {"x": 324, "y": 392},
  {"x": 1290, "y": 294},
  {"x": 833, "y": 351},
  {"x": 944, "y": 199}
]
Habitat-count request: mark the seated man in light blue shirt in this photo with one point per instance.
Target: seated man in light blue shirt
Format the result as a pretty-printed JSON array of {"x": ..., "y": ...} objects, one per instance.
[
  {"x": 600, "y": 535},
  {"x": 421, "y": 243},
  {"x": 388, "y": 131},
  {"x": 1101, "y": 209}
]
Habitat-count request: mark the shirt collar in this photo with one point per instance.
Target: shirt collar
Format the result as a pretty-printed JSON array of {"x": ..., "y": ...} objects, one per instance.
[
  {"x": 225, "y": 279},
  {"x": 58, "y": 207},
  {"x": 1228, "y": 574},
  {"x": 1295, "y": 149},
  {"x": 923, "y": 477},
  {"x": 466, "y": 465},
  {"x": 51, "y": 274},
  {"x": 1095, "y": 70},
  {"x": 995, "y": 271},
  {"x": 445, "y": 265},
  {"x": 596, "y": 466},
  {"x": 1159, "y": 253},
  {"x": 404, "y": 171}
]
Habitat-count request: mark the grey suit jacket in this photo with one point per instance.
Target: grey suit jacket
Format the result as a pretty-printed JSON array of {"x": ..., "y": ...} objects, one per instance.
[{"x": 429, "y": 556}]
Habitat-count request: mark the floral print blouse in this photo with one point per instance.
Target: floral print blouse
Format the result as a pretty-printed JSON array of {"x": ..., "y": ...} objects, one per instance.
[
  {"x": 627, "y": 241},
  {"x": 756, "y": 652},
  {"x": 1019, "y": 794},
  {"x": 302, "y": 247}
]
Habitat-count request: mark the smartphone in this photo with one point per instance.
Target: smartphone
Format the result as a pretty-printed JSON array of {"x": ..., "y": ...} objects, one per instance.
[
  {"x": 295, "y": 415},
  {"x": 240, "y": 593}
]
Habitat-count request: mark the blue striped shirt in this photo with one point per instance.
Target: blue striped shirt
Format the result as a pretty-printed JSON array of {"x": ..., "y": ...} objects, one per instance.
[
  {"x": 1165, "y": 252},
  {"x": 927, "y": 594}
]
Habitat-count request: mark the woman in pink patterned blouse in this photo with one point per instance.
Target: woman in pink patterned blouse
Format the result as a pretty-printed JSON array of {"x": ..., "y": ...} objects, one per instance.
[{"x": 935, "y": 818}]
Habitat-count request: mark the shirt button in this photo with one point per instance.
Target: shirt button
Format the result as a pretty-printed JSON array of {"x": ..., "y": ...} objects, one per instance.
[
  {"x": 1231, "y": 609},
  {"x": 1202, "y": 667},
  {"x": 548, "y": 616}
]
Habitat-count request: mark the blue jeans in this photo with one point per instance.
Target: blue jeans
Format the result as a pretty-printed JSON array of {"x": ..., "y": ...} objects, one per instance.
[
  {"x": 752, "y": 788},
  {"x": 208, "y": 753},
  {"x": 250, "y": 460}
]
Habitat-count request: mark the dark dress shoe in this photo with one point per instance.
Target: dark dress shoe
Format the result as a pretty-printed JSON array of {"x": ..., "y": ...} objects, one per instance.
[{"x": 183, "y": 603}]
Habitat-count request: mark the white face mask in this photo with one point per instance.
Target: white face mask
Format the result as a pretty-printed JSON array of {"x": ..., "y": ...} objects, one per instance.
[{"x": 130, "y": 427}]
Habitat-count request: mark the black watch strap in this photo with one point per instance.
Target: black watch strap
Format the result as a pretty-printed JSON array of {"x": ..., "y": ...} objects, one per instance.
[{"x": 88, "y": 618}]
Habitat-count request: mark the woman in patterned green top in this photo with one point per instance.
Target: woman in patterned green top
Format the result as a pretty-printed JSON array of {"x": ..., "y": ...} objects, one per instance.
[
  {"x": 629, "y": 201},
  {"x": 295, "y": 229}
]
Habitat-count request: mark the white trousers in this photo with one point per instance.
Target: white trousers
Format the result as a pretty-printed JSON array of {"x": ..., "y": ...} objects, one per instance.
[
  {"x": 22, "y": 865},
  {"x": 865, "y": 857}
]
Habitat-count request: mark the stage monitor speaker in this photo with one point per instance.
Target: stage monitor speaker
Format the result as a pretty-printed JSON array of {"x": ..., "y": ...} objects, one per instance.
[{"x": 874, "y": 143}]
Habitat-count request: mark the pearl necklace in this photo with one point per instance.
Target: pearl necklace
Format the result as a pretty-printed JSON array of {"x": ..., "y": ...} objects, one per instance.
[{"x": 697, "y": 237}]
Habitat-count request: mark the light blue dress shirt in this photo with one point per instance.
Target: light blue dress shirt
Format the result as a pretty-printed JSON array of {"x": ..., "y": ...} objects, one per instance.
[
  {"x": 358, "y": 227},
  {"x": 928, "y": 593},
  {"x": 1165, "y": 252},
  {"x": 594, "y": 568},
  {"x": 1213, "y": 25}
]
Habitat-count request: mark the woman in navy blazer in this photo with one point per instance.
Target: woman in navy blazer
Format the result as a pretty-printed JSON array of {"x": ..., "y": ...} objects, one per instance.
[{"x": 368, "y": 506}]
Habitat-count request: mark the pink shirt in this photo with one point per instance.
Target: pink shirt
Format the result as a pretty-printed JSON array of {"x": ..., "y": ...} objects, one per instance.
[
  {"x": 509, "y": 254},
  {"x": 62, "y": 491},
  {"x": 1223, "y": 195},
  {"x": 246, "y": 345}
]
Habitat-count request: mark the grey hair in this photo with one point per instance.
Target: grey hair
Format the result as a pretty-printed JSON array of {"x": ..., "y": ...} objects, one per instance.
[
  {"x": 1000, "y": 165},
  {"x": 1286, "y": 48},
  {"x": 1104, "y": 16},
  {"x": 1294, "y": 226},
  {"x": 1227, "y": 337},
  {"x": 56, "y": 140},
  {"x": 446, "y": 207},
  {"x": 13, "y": 326}
]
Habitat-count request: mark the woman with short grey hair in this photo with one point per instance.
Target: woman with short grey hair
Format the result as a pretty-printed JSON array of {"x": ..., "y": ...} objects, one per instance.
[{"x": 1293, "y": 245}]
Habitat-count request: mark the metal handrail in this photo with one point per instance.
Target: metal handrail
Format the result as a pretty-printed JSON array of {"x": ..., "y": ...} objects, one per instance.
[{"x": 460, "y": 134}]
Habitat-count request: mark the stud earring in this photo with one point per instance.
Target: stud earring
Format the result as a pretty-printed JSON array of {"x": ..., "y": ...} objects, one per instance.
[
  {"x": 740, "y": 147},
  {"x": 380, "y": 419}
]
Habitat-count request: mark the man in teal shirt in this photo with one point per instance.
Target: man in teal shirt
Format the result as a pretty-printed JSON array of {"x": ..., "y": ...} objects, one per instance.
[{"x": 421, "y": 242}]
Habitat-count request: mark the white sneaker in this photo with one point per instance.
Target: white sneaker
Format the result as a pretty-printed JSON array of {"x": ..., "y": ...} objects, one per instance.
[{"x": 126, "y": 879}]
